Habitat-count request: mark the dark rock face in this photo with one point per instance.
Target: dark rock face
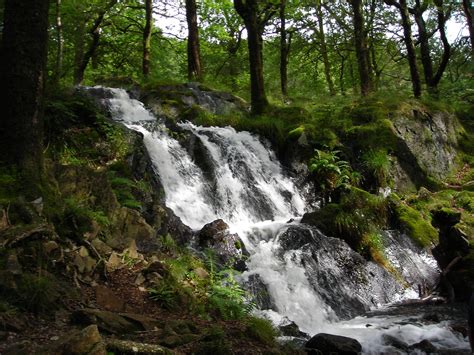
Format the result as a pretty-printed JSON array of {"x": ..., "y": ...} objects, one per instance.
[
  {"x": 426, "y": 147},
  {"x": 332, "y": 344},
  {"x": 228, "y": 247},
  {"x": 327, "y": 261}
]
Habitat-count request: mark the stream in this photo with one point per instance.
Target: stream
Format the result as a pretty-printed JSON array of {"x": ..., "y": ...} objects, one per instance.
[{"x": 315, "y": 281}]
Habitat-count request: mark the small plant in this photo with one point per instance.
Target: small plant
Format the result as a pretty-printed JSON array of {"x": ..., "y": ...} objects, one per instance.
[
  {"x": 377, "y": 162},
  {"x": 37, "y": 293},
  {"x": 329, "y": 172},
  {"x": 165, "y": 294},
  {"x": 262, "y": 330}
]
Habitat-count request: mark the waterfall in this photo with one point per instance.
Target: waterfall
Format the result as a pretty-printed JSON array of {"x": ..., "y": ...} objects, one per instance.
[{"x": 313, "y": 280}]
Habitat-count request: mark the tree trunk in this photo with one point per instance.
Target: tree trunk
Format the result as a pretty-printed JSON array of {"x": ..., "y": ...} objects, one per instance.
[
  {"x": 147, "y": 37},
  {"x": 60, "y": 44},
  {"x": 284, "y": 51},
  {"x": 468, "y": 8},
  {"x": 248, "y": 10},
  {"x": 410, "y": 46},
  {"x": 324, "y": 50},
  {"x": 79, "y": 45},
  {"x": 22, "y": 76},
  {"x": 194, "y": 53},
  {"x": 95, "y": 34},
  {"x": 446, "y": 47},
  {"x": 362, "y": 51},
  {"x": 425, "y": 56}
]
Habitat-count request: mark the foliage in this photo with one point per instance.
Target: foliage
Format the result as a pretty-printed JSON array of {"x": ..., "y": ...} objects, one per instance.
[
  {"x": 329, "y": 173},
  {"x": 261, "y": 330}
]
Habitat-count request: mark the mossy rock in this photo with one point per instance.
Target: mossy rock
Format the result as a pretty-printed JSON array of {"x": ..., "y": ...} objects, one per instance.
[{"x": 413, "y": 223}]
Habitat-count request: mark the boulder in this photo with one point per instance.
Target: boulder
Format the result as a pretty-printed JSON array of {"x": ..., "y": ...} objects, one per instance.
[
  {"x": 117, "y": 346},
  {"x": 424, "y": 346},
  {"x": 228, "y": 247},
  {"x": 323, "y": 343},
  {"x": 79, "y": 342}
]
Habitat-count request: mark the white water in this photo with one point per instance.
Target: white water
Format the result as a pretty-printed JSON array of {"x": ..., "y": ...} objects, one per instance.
[{"x": 253, "y": 195}]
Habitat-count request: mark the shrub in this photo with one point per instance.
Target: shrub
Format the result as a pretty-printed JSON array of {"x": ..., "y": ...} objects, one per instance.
[{"x": 262, "y": 330}]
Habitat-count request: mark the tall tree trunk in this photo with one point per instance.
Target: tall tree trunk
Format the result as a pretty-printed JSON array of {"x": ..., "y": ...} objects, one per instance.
[
  {"x": 194, "y": 53},
  {"x": 79, "y": 48},
  {"x": 147, "y": 37},
  {"x": 410, "y": 46},
  {"x": 446, "y": 46},
  {"x": 94, "y": 32},
  {"x": 423, "y": 38},
  {"x": 248, "y": 10},
  {"x": 361, "y": 47},
  {"x": 284, "y": 51},
  {"x": 22, "y": 76},
  {"x": 60, "y": 44},
  {"x": 468, "y": 8},
  {"x": 324, "y": 50},
  {"x": 432, "y": 79}
]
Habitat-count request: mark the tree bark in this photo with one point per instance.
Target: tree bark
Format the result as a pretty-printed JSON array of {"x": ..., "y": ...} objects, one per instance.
[
  {"x": 147, "y": 37},
  {"x": 194, "y": 52},
  {"x": 361, "y": 47},
  {"x": 22, "y": 76},
  {"x": 255, "y": 26},
  {"x": 284, "y": 51},
  {"x": 468, "y": 8},
  {"x": 60, "y": 44},
  {"x": 410, "y": 46},
  {"x": 432, "y": 79},
  {"x": 94, "y": 32},
  {"x": 324, "y": 50}
]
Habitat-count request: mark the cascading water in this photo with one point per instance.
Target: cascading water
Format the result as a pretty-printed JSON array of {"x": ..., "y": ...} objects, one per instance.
[{"x": 313, "y": 280}]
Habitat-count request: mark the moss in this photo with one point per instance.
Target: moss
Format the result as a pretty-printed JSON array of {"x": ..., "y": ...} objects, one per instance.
[{"x": 412, "y": 221}]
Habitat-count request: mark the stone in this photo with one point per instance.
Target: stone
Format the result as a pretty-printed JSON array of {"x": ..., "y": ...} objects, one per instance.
[
  {"x": 117, "y": 346},
  {"x": 228, "y": 247},
  {"x": 109, "y": 322},
  {"x": 101, "y": 247},
  {"x": 332, "y": 344},
  {"x": 157, "y": 267},
  {"x": 201, "y": 273},
  {"x": 292, "y": 330},
  {"x": 13, "y": 266},
  {"x": 140, "y": 279},
  {"x": 114, "y": 262},
  {"x": 86, "y": 341},
  {"x": 108, "y": 300},
  {"x": 394, "y": 342},
  {"x": 50, "y": 246},
  {"x": 425, "y": 346},
  {"x": 83, "y": 251}
]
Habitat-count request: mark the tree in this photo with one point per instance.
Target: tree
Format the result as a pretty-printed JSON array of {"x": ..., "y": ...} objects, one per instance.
[
  {"x": 361, "y": 47},
  {"x": 256, "y": 14},
  {"x": 83, "y": 59},
  {"x": 60, "y": 44},
  {"x": 324, "y": 50},
  {"x": 285, "y": 43},
  {"x": 468, "y": 8},
  {"x": 147, "y": 37},
  {"x": 22, "y": 76},
  {"x": 194, "y": 52},
  {"x": 432, "y": 79},
  {"x": 410, "y": 46}
]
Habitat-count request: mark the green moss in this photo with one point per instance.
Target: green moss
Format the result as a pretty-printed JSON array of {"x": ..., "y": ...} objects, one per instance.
[{"x": 417, "y": 227}]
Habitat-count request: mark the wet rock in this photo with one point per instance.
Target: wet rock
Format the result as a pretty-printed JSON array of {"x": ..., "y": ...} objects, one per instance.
[
  {"x": 260, "y": 295},
  {"x": 332, "y": 344},
  {"x": 292, "y": 330},
  {"x": 394, "y": 342},
  {"x": 86, "y": 341},
  {"x": 157, "y": 267},
  {"x": 108, "y": 300},
  {"x": 228, "y": 247},
  {"x": 425, "y": 346}
]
